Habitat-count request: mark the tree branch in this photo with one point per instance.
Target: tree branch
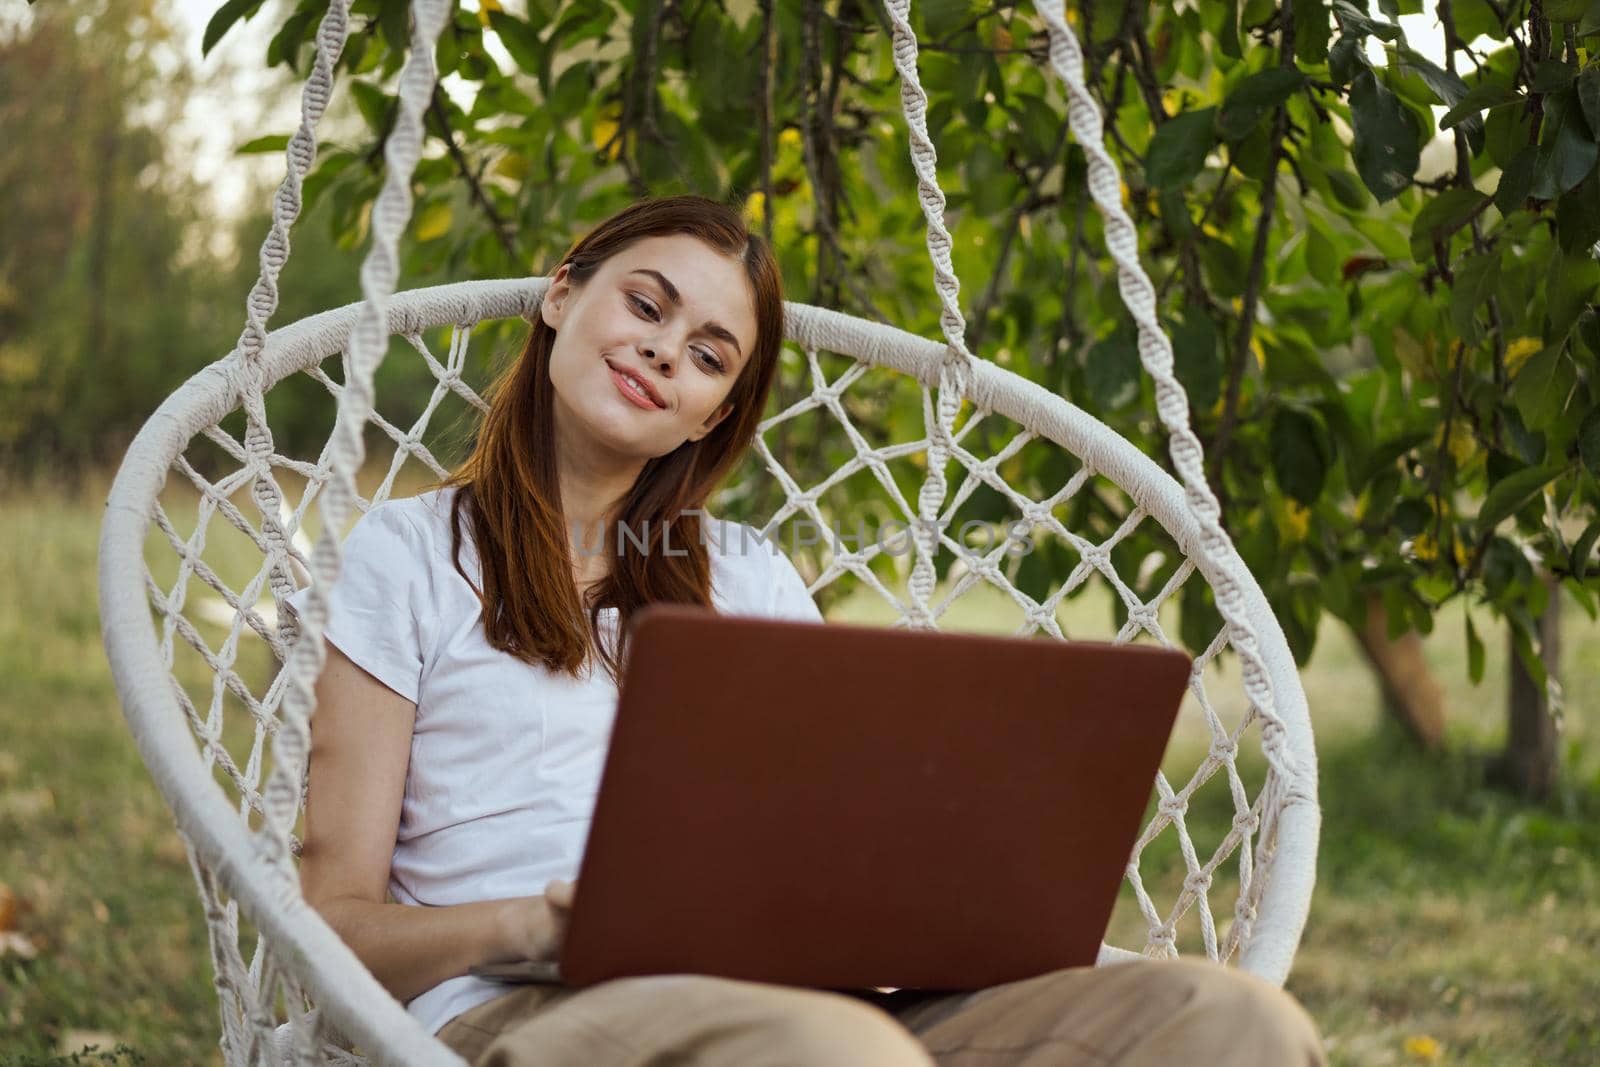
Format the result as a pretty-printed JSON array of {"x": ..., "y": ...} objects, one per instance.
[
  {"x": 1031, "y": 203},
  {"x": 480, "y": 196},
  {"x": 823, "y": 188},
  {"x": 769, "y": 67},
  {"x": 1217, "y": 453}
]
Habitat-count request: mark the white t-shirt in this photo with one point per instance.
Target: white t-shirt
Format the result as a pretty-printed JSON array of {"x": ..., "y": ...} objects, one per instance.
[{"x": 505, "y": 757}]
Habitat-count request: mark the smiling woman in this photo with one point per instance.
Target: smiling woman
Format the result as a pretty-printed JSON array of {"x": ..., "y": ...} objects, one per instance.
[
  {"x": 462, "y": 706},
  {"x": 638, "y": 390}
]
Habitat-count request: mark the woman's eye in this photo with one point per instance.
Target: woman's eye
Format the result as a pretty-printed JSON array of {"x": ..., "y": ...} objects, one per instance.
[{"x": 706, "y": 356}]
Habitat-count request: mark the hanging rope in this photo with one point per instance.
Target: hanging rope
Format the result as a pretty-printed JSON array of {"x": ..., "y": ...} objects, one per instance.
[
  {"x": 955, "y": 371},
  {"x": 1172, "y": 403},
  {"x": 262, "y": 302},
  {"x": 368, "y": 339}
]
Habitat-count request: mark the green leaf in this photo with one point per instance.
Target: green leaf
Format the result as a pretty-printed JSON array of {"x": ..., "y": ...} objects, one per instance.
[
  {"x": 1516, "y": 181},
  {"x": 1311, "y": 30},
  {"x": 1386, "y": 133},
  {"x": 1412, "y": 516},
  {"x": 1300, "y": 454},
  {"x": 1179, "y": 148},
  {"x": 1039, "y": 123},
  {"x": 223, "y": 21},
  {"x": 1589, "y": 442},
  {"x": 1355, "y": 20},
  {"x": 1322, "y": 258},
  {"x": 1347, "y": 191},
  {"x": 1255, "y": 97},
  {"x": 1589, "y": 95},
  {"x": 1506, "y": 132},
  {"x": 572, "y": 88},
  {"x": 1475, "y": 655},
  {"x": 285, "y": 45},
  {"x": 940, "y": 18},
  {"x": 1226, "y": 15},
  {"x": 1552, "y": 76},
  {"x": 1528, "y": 445},
  {"x": 1541, "y": 388},
  {"x": 1567, "y": 151},
  {"x": 1476, "y": 280},
  {"x": 1583, "y": 548},
  {"x": 373, "y": 103},
  {"x": 1475, "y": 18},
  {"x": 1590, "y": 23},
  {"x": 275, "y": 142},
  {"x": 1346, "y": 59},
  {"x": 521, "y": 41},
  {"x": 1195, "y": 359},
  {"x": 1589, "y": 330},
  {"x": 1448, "y": 87},
  {"x": 1570, "y": 284},
  {"x": 992, "y": 186},
  {"x": 1565, "y": 10},
  {"x": 1508, "y": 495},
  {"x": 1441, "y": 217},
  {"x": 394, "y": 23},
  {"x": 1111, "y": 372},
  {"x": 1487, "y": 94}
]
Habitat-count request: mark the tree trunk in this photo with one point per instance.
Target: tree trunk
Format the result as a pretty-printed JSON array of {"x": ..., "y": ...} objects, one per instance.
[
  {"x": 1410, "y": 691},
  {"x": 1528, "y": 765}
]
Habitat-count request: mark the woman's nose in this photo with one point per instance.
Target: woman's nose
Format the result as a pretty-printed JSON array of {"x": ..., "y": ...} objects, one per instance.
[{"x": 660, "y": 357}]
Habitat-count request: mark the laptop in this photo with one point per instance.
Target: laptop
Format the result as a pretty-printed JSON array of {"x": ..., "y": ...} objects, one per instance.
[{"x": 853, "y": 807}]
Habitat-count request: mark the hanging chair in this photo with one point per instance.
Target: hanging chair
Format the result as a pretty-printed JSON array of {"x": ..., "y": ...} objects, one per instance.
[{"x": 302, "y": 996}]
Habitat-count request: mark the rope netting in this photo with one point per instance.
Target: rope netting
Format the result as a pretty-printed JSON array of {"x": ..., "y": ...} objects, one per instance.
[{"x": 225, "y": 642}]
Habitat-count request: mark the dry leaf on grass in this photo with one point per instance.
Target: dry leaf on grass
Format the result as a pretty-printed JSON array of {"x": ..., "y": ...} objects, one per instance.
[
  {"x": 24, "y": 803},
  {"x": 80, "y": 1041},
  {"x": 13, "y": 943}
]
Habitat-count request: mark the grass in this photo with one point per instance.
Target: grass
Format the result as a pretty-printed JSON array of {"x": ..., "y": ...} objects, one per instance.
[{"x": 1449, "y": 921}]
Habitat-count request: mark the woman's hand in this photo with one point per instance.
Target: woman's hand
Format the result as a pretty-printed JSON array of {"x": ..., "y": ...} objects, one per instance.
[{"x": 535, "y": 927}]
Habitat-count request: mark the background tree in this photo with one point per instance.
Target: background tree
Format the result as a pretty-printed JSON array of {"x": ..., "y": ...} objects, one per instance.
[
  {"x": 103, "y": 295},
  {"x": 1393, "y": 373}
]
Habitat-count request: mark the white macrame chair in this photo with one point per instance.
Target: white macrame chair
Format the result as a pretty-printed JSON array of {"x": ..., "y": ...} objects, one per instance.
[{"x": 303, "y": 997}]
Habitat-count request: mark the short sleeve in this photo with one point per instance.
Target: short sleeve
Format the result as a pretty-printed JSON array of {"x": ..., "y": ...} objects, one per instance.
[
  {"x": 789, "y": 599},
  {"x": 377, "y": 605}
]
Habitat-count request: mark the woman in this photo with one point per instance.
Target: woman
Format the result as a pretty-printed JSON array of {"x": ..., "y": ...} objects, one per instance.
[{"x": 475, "y": 638}]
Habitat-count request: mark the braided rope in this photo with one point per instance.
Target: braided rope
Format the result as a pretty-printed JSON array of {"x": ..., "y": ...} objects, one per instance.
[
  {"x": 300, "y": 153},
  {"x": 368, "y": 340},
  {"x": 955, "y": 370},
  {"x": 1172, "y": 403}
]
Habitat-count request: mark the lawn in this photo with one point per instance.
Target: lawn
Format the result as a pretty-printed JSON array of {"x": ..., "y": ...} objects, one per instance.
[{"x": 1451, "y": 924}]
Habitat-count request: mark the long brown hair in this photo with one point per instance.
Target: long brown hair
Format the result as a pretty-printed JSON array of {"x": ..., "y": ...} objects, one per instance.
[{"x": 509, "y": 488}]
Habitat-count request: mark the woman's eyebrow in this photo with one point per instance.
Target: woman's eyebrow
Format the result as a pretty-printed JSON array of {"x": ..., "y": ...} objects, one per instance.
[{"x": 715, "y": 329}]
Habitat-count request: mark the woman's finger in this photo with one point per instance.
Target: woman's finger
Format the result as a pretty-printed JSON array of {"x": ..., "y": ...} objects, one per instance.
[{"x": 559, "y": 893}]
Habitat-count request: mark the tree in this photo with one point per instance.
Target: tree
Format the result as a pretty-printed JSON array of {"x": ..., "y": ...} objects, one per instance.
[
  {"x": 103, "y": 300},
  {"x": 1394, "y": 374}
]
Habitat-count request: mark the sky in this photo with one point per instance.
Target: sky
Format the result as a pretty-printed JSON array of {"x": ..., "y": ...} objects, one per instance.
[{"x": 235, "y": 99}]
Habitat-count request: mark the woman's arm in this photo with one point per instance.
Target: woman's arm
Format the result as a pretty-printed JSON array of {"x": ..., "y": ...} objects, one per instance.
[{"x": 360, "y": 748}]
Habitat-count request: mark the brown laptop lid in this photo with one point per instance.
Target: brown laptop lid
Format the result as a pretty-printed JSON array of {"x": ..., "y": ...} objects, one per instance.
[{"x": 843, "y": 806}]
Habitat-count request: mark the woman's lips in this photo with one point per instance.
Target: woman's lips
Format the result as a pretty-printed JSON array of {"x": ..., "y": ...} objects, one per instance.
[{"x": 638, "y": 397}]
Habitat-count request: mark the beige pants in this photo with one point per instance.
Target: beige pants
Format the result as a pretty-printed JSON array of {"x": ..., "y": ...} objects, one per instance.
[{"x": 1185, "y": 1012}]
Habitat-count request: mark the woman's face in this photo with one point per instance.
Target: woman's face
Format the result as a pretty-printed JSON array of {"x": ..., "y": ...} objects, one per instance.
[{"x": 672, "y": 314}]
